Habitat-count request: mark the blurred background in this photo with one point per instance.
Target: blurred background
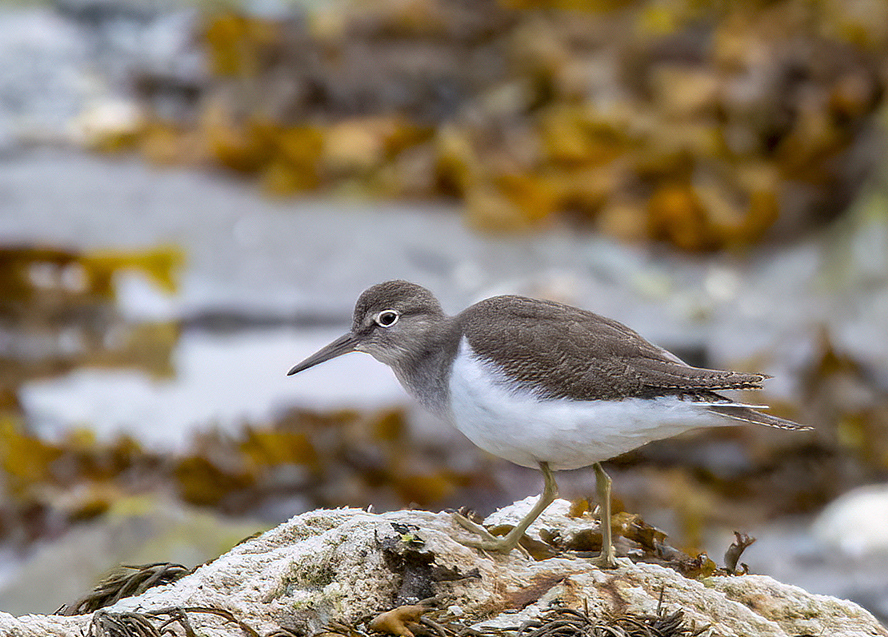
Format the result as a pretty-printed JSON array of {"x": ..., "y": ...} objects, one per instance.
[{"x": 193, "y": 194}]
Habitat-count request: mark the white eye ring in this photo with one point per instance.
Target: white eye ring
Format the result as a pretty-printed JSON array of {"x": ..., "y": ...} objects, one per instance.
[{"x": 387, "y": 318}]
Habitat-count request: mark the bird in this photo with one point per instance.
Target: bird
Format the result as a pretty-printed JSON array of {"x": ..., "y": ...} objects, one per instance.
[{"x": 541, "y": 384}]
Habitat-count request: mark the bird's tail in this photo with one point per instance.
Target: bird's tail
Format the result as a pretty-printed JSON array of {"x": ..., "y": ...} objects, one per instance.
[{"x": 746, "y": 414}]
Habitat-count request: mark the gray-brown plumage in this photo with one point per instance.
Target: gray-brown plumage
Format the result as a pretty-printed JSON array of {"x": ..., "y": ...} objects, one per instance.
[{"x": 560, "y": 351}]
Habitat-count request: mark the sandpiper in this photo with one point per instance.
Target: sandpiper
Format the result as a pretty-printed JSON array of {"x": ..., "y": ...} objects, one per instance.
[{"x": 542, "y": 384}]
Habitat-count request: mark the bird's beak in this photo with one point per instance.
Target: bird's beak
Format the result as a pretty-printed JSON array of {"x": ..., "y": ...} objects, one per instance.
[{"x": 342, "y": 345}]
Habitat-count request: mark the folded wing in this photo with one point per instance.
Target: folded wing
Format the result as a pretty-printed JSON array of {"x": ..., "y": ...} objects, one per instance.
[{"x": 559, "y": 351}]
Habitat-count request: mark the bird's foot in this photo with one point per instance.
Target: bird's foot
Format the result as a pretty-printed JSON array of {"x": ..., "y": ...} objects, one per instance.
[
  {"x": 488, "y": 542},
  {"x": 607, "y": 559},
  {"x": 475, "y": 528}
]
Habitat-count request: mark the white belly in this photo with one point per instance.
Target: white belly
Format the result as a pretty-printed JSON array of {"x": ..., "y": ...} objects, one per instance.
[{"x": 516, "y": 425}]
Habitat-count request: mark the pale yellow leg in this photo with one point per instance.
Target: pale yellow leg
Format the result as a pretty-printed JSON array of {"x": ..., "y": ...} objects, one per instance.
[
  {"x": 510, "y": 540},
  {"x": 608, "y": 558}
]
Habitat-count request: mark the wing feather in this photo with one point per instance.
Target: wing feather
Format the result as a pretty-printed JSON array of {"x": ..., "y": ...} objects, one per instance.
[
  {"x": 745, "y": 414},
  {"x": 564, "y": 352}
]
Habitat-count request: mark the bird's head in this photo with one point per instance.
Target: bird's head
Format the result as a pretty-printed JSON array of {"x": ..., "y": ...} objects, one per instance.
[{"x": 390, "y": 323}]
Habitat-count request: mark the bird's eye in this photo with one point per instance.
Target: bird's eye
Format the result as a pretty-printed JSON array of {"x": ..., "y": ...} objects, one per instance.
[{"x": 387, "y": 318}]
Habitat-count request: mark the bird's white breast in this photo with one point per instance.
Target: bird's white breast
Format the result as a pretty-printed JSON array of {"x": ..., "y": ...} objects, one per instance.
[{"x": 509, "y": 421}]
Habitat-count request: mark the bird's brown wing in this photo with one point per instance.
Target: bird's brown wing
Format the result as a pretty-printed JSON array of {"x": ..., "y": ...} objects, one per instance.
[
  {"x": 744, "y": 413},
  {"x": 564, "y": 352}
]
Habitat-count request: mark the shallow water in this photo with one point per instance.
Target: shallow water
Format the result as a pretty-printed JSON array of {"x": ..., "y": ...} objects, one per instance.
[{"x": 221, "y": 382}]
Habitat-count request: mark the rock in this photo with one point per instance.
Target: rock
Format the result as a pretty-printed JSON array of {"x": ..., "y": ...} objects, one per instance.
[
  {"x": 107, "y": 125},
  {"x": 346, "y": 565},
  {"x": 42, "y": 625},
  {"x": 46, "y": 86},
  {"x": 854, "y": 524}
]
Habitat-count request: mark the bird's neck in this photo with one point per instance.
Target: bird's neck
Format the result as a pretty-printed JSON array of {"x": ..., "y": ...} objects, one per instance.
[{"x": 425, "y": 374}]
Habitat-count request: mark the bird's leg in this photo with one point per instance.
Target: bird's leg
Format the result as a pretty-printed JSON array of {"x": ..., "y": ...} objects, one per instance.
[
  {"x": 607, "y": 559},
  {"x": 510, "y": 540}
]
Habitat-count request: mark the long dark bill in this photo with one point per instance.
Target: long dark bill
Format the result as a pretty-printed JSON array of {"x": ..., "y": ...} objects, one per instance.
[{"x": 342, "y": 345}]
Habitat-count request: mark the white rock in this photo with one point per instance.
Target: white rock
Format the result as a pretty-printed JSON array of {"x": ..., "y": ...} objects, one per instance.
[
  {"x": 347, "y": 564},
  {"x": 106, "y": 119},
  {"x": 856, "y": 523}
]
